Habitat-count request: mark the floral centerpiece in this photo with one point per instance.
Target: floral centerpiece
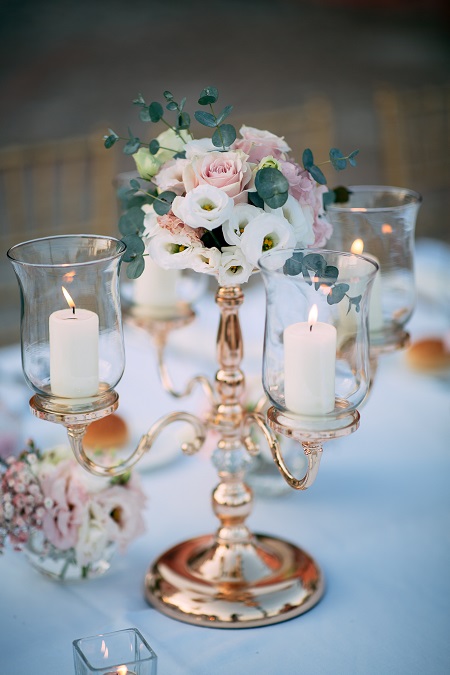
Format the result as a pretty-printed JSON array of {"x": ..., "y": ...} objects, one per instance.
[
  {"x": 215, "y": 204},
  {"x": 68, "y": 521}
]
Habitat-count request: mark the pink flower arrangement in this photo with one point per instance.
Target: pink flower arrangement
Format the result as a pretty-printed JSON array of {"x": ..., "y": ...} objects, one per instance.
[
  {"x": 48, "y": 493},
  {"x": 194, "y": 188}
]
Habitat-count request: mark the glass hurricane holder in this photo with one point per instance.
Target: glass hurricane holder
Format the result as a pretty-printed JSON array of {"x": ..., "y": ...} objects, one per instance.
[
  {"x": 379, "y": 222},
  {"x": 316, "y": 368},
  {"x": 124, "y": 652},
  {"x": 71, "y": 331}
]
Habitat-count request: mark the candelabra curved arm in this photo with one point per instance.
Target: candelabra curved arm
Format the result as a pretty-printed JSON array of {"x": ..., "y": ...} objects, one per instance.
[
  {"x": 167, "y": 381},
  {"x": 77, "y": 431},
  {"x": 312, "y": 450}
]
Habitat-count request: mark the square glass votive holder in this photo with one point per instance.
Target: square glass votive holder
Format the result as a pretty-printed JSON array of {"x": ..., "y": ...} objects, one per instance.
[{"x": 124, "y": 652}]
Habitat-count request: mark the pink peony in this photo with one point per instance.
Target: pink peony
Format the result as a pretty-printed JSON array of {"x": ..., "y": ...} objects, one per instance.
[
  {"x": 175, "y": 225},
  {"x": 258, "y": 144},
  {"x": 228, "y": 171},
  {"x": 301, "y": 183}
]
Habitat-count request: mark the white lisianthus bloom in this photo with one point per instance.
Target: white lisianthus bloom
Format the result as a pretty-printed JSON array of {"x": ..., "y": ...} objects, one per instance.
[
  {"x": 242, "y": 215},
  {"x": 268, "y": 162},
  {"x": 205, "y": 259},
  {"x": 171, "y": 140},
  {"x": 199, "y": 147},
  {"x": 234, "y": 267},
  {"x": 171, "y": 251},
  {"x": 267, "y": 232},
  {"x": 93, "y": 536},
  {"x": 301, "y": 218},
  {"x": 204, "y": 206},
  {"x": 150, "y": 221}
]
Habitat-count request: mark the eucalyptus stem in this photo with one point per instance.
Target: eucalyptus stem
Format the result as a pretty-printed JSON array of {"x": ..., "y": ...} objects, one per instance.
[
  {"x": 218, "y": 127},
  {"x": 173, "y": 129}
]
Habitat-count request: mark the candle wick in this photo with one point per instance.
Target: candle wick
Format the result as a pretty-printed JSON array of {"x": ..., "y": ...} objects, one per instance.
[
  {"x": 310, "y": 328},
  {"x": 73, "y": 309}
]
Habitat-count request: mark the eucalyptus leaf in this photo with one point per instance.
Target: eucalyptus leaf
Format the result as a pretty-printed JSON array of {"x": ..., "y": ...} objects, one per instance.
[
  {"x": 156, "y": 111},
  {"x": 328, "y": 198},
  {"x": 307, "y": 159},
  {"x": 139, "y": 100},
  {"x": 317, "y": 174},
  {"x": 110, "y": 140},
  {"x": 337, "y": 159},
  {"x": 224, "y": 114},
  {"x": 270, "y": 183},
  {"x": 172, "y": 106},
  {"x": 168, "y": 95},
  {"x": 209, "y": 95},
  {"x": 182, "y": 104},
  {"x": 163, "y": 204},
  {"x": 135, "y": 246},
  {"x": 132, "y": 146},
  {"x": 351, "y": 157},
  {"x": 341, "y": 194},
  {"x": 228, "y": 134},
  {"x": 293, "y": 266},
  {"x": 154, "y": 146},
  {"x": 135, "y": 184},
  {"x": 135, "y": 267},
  {"x": 184, "y": 120},
  {"x": 205, "y": 118},
  {"x": 255, "y": 199},
  {"x": 277, "y": 201},
  {"x": 337, "y": 293},
  {"x": 180, "y": 155}
]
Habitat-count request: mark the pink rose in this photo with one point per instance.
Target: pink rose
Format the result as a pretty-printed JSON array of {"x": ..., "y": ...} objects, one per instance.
[
  {"x": 258, "y": 144},
  {"x": 65, "y": 499},
  {"x": 174, "y": 225},
  {"x": 301, "y": 183},
  {"x": 228, "y": 171}
]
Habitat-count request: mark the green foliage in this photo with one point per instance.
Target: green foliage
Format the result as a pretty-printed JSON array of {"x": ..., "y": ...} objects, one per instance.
[
  {"x": 133, "y": 144},
  {"x": 272, "y": 187},
  {"x": 163, "y": 203},
  {"x": 136, "y": 267},
  {"x": 205, "y": 118},
  {"x": 208, "y": 96},
  {"x": 315, "y": 270},
  {"x": 154, "y": 146},
  {"x": 111, "y": 139}
]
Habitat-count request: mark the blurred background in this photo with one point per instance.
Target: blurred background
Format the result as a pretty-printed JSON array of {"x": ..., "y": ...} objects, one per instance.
[{"x": 367, "y": 74}]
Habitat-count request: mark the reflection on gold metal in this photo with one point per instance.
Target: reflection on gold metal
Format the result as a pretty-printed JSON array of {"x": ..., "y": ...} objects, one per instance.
[{"x": 233, "y": 578}]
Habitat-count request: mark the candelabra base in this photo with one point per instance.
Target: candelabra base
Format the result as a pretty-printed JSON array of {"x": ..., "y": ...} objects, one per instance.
[{"x": 258, "y": 582}]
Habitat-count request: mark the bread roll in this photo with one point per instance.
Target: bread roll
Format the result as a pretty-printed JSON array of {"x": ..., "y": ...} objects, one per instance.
[
  {"x": 106, "y": 433},
  {"x": 429, "y": 355}
]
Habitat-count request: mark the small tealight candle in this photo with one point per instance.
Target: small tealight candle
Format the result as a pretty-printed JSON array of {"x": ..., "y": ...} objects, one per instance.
[
  {"x": 121, "y": 670},
  {"x": 309, "y": 366},
  {"x": 376, "y": 322},
  {"x": 74, "y": 336}
]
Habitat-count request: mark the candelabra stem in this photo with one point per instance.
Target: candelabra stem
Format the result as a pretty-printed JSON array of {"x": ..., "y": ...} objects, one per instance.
[{"x": 234, "y": 578}]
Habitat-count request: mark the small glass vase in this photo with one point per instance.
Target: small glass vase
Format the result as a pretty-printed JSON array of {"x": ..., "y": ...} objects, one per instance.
[
  {"x": 62, "y": 565},
  {"x": 378, "y": 222}
]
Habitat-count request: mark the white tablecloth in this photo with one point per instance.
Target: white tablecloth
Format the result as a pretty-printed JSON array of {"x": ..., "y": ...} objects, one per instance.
[{"x": 376, "y": 520}]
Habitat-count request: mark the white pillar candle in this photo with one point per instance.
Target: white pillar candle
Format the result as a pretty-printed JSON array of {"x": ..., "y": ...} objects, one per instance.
[
  {"x": 309, "y": 366},
  {"x": 74, "y": 335},
  {"x": 375, "y": 308},
  {"x": 154, "y": 292}
]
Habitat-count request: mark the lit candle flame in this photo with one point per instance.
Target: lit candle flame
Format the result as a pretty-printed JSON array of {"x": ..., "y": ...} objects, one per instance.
[
  {"x": 312, "y": 317},
  {"x": 122, "y": 670},
  {"x": 357, "y": 247},
  {"x": 67, "y": 296},
  {"x": 386, "y": 228},
  {"x": 103, "y": 647}
]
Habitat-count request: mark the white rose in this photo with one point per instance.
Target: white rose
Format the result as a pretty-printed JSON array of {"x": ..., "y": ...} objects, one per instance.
[
  {"x": 267, "y": 232},
  {"x": 204, "y": 206},
  {"x": 301, "y": 217},
  {"x": 170, "y": 143},
  {"x": 199, "y": 147},
  {"x": 234, "y": 267},
  {"x": 170, "y": 176},
  {"x": 242, "y": 215},
  {"x": 146, "y": 164}
]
